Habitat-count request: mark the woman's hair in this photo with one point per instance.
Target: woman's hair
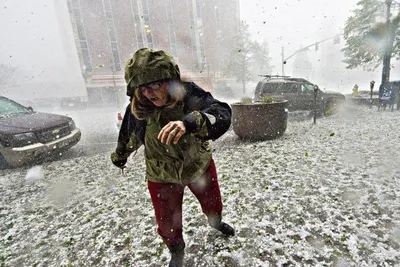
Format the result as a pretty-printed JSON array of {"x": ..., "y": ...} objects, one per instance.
[{"x": 143, "y": 108}]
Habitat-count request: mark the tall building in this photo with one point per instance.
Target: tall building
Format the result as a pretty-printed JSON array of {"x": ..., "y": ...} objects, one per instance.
[{"x": 198, "y": 33}]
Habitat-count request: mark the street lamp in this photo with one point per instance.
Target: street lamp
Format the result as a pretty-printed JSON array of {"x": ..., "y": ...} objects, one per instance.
[
  {"x": 336, "y": 40},
  {"x": 371, "y": 85},
  {"x": 315, "y": 102}
]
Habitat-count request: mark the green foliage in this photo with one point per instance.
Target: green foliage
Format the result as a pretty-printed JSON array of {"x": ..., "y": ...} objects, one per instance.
[
  {"x": 246, "y": 100},
  {"x": 238, "y": 61},
  {"x": 366, "y": 33},
  {"x": 159, "y": 251},
  {"x": 259, "y": 61},
  {"x": 127, "y": 240},
  {"x": 328, "y": 111},
  {"x": 3, "y": 260},
  {"x": 264, "y": 99},
  {"x": 268, "y": 99},
  {"x": 69, "y": 242},
  {"x": 225, "y": 178}
]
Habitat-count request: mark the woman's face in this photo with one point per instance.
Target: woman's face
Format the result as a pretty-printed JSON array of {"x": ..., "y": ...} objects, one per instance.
[{"x": 156, "y": 92}]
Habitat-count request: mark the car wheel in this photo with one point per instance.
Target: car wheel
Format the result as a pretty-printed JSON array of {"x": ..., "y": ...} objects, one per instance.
[{"x": 3, "y": 163}]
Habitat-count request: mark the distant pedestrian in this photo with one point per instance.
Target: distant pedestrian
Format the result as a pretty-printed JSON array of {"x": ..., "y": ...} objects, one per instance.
[
  {"x": 176, "y": 122},
  {"x": 355, "y": 90}
]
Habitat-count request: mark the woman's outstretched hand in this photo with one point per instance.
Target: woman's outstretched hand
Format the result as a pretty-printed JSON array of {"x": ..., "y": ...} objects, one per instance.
[{"x": 172, "y": 132}]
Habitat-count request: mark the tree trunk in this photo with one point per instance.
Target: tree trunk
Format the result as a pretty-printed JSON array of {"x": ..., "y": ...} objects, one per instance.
[{"x": 388, "y": 46}]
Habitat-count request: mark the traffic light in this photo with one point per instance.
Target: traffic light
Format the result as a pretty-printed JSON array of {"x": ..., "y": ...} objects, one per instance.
[{"x": 316, "y": 46}]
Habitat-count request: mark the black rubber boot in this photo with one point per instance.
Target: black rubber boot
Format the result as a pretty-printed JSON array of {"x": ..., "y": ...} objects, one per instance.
[
  {"x": 226, "y": 229},
  {"x": 177, "y": 254}
]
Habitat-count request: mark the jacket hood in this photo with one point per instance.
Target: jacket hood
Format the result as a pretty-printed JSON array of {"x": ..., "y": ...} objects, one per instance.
[{"x": 148, "y": 65}]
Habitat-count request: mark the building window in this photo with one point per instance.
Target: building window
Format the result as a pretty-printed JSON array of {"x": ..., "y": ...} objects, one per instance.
[
  {"x": 147, "y": 24},
  {"x": 81, "y": 34},
  {"x": 135, "y": 5},
  {"x": 197, "y": 33},
  {"x": 193, "y": 33},
  {"x": 116, "y": 61},
  {"x": 171, "y": 28}
]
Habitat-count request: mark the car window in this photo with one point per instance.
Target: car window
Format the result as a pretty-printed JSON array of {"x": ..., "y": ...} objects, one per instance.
[
  {"x": 306, "y": 87},
  {"x": 290, "y": 88},
  {"x": 280, "y": 88},
  {"x": 8, "y": 107},
  {"x": 270, "y": 88}
]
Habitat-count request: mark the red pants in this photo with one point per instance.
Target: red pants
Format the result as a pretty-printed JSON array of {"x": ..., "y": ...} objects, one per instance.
[{"x": 167, "y": 201}]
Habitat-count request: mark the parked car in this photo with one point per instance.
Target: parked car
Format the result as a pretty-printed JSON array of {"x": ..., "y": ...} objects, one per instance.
[
  {"x": 27, "y": 136},
  {"x": 298, "y": 91},
  {"x": 76, "y": 102},
  {"x": 119, "y": 120},
  {"x": 120, "y": 113}
]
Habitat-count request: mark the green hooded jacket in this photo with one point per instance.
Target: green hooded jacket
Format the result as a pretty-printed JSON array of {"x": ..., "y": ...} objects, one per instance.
[{"x": 204, "y": 117}]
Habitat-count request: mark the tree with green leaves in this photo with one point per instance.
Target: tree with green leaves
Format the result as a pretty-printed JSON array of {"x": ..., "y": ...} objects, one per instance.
[
  {"x": 260, "y": 61},
  {"x": 248, "y": 59},
  {"x": 372, "y": 35}
]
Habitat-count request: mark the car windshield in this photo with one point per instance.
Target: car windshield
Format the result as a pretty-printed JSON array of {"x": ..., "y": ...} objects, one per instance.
[{"x": 8, "y": 107}]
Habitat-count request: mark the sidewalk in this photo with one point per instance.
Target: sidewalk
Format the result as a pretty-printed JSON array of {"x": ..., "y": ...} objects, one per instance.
[{"x": 321, "y": 195}]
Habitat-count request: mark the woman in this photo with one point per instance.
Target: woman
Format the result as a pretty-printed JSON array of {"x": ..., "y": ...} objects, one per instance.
[{"x": 176, "y": 122}]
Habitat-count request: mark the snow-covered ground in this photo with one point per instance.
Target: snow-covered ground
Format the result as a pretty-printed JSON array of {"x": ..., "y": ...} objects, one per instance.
[{"x": 322, "y": 195}]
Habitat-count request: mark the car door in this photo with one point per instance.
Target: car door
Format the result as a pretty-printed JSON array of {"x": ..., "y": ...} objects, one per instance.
[
  {"x": 290, "y": 91},
  {"x": 306, "y": 97}
]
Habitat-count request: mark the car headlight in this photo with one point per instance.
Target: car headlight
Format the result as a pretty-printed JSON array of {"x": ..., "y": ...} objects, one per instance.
[
  {"x": 23, "y": 139},
  {"x": 71, "y": 125}
]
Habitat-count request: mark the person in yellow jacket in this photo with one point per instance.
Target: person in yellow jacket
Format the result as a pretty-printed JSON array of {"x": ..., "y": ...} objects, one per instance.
[
  {"x": 355, "y": 90},
  {"x": 176, "y": 122}
]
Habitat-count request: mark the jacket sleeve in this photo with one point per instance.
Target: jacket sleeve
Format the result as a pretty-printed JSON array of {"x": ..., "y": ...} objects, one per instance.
[
  {"x": 128, "y": 142},
  {"x": 207, "y": 117}
]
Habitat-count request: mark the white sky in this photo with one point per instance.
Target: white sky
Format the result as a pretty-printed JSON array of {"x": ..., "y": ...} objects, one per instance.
[
  {"x": 33, "y": 40},
  {"x": 31, "y": 37},
  {"x": 29, "y": 31},
  {"x": 295, "y": 23}
]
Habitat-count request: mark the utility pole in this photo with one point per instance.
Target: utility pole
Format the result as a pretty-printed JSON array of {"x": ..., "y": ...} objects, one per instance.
[{"x": 388, "y": 45}]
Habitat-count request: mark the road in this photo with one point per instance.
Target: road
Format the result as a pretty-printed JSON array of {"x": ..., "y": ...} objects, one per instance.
[
  {"x": 99, "y": 130},
  {"x": 98, "y": 126},
  {"x": 324, "y": 194}
]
